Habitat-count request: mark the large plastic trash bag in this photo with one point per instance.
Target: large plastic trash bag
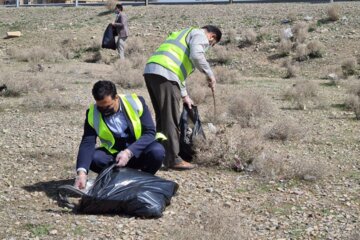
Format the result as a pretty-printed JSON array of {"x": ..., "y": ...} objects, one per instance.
[
  {"x": 190, "y": 128},
  {"x": 108, "y": 40},
  {"x": 124, "y": 191}
]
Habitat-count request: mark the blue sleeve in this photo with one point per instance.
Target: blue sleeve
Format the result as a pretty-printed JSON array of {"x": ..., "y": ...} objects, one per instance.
[
  {"x": 87, "y": 146},
  {"x": 148, "y": 132}
]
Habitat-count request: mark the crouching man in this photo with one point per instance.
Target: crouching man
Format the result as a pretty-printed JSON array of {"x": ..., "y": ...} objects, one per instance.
[{"x": 126, "y": 131}]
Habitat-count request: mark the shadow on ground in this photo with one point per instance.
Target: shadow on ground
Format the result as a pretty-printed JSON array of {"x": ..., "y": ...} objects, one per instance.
[{"x": 49, "y": 188}]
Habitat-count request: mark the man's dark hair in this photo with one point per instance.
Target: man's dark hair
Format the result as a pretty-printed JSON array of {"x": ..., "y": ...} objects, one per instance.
[
  {"x": 119, "y": 6},
  {"x": 102, "y": 89},
  {"x": 215, "y": 30}
]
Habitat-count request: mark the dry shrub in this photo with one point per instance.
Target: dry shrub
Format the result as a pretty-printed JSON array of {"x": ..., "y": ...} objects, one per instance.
[
  {"x": 333, "y": 12},
  {"x": 231, "y": 147},
  {"x": 291, "y": 68},
  {"x": 222, "y": 54},
  {"x": 126, "y": 76},
  {"x": 134, "y": 46},
  {"x": 35, "y": 54},
  {"x": 198, "y": 90},
  {"x": 354, "y": 89},
  {"x": 353, "y": 103},
  {"x": 110, "y": 5},
  {"x": 315, "y": 49},
  {"x": 285, "y": 130},
  {"x": 270, "y": 166},
  {"x": 285, "y": 47},
  {"x": 226, "y": 76},
  {"x": 47, "y": 102},
  {"x": 349, "y": 66},
  {"x": 231, "y": 36},
  {"x": 274, "y": 166},
  {"x": 302, "y": 93},
  {"x": 263, "y": 35},
  {"x": 301, "y": 52},
  {"x": 138, "y": 61},
  {"x": 245, "y": 107},
  {"x": 250, "y": 36},
  {"x": 300, "y": 31},
  {"x": 292, "y": 17}
]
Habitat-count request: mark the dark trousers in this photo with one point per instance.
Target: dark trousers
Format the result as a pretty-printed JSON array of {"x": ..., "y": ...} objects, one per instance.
[
  {"x": 149, "y": 161},
  {"x": 165, "y": 97}
]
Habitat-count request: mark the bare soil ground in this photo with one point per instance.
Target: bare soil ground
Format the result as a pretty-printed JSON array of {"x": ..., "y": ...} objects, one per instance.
[{"x": 305, "y": 186}]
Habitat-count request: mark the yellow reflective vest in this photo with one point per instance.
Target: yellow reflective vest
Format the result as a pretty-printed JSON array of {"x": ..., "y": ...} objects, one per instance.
[
  {"x": 173, "y": 54},
  {"x": 133, "y": 108}
]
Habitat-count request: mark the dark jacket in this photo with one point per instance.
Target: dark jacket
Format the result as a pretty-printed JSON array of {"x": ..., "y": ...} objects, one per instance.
[
  {"x": 121, "y": 24},
  {"x": 88, "y": 142}
]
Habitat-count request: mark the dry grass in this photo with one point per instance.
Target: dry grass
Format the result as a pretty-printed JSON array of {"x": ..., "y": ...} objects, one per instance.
[
  {"x": 48, "y": 102},
  {"x": 226, "y": 76},
  {"x": 250, "y": 36},
  {"x": 285, "y": 47},
  {"x": 110, "y": 5},
  {"x": 126, "y": 76},
  {"x": 349, "y": 67},
  {"x": 222, "y": 55},
  {"x": 302, "y": 93},
  {"x": 300, "y": 31},
  {"x": 285, "y": 130},
  {"x": 134, "y": 45},
  {"x": 333, "y": 12},
  {"x": 302, "y": 52},
  {"x": 197, "y": 88},
  {"x": 35, "y": 54},
  {"x": 291, "y": 68},
  {"x": 315, "y": 49},
  {"x": 231, "y": 37},
  {"x": 353, "y": 103},
  {"x": 275, "y": 167},
  {"x": 138, "y": 61},
  {"x": 245, "y": 107},
  {"x": 229, "y": 147}
]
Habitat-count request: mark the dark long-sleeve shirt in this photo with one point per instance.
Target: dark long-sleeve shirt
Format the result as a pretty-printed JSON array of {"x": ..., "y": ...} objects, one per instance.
[{"x": 88, "y": 142}]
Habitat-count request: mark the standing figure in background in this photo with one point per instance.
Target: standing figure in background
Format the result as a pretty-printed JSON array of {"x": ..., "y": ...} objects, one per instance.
[{"x": 122, "y": 29}]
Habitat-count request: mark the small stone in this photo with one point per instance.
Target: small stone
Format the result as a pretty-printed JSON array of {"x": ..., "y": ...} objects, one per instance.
[
  {"x": 227, "y": 204},
  {"x": 308, "y": 177},
  {"x": 53, "y": 232},
  {"x": 209, "y": 190}
]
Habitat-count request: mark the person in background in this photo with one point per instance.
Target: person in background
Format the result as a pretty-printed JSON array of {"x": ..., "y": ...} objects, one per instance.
[
  {"x": 122, "y": 29},
  {"x": 165, "y": 74},
  {"x": 126, "y": 131}
]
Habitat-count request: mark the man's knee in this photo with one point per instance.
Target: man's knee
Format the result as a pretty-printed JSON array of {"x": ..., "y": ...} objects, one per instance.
[
  {"x": 100, "y": 160},
  {"x": 157, "y": 152}
]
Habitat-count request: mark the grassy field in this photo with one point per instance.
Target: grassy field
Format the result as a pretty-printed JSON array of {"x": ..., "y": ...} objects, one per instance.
[{"x": 282, "y": 162}]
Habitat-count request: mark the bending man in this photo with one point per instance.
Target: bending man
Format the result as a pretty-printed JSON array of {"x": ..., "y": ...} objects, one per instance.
[
  {"x": 165, "y": 74},
  {"x": 126, "y": 130}
]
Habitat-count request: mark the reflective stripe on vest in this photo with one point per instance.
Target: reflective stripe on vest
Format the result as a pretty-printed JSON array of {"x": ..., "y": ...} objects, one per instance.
[
  {"x": 134, "y": 109},
  {"x": 174, "y": 53}
]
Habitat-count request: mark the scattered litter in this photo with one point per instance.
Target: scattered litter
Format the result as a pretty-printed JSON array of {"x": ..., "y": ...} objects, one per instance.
[
  {"x": 288, "y": 33},
  {"x": 13, "y": 34},
  {"x": 333, "y": 76},
  {"x": 284, "y": 21},
  {"x": 308, "y": 18}
]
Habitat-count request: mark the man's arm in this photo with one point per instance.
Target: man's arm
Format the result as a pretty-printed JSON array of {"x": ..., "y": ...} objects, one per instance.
[
  {"x": 198, "y": 44},
  {"x": 119, "y": 22},
  {"x": 87, "y": 147},
  {"x": 148, "y": 132}
]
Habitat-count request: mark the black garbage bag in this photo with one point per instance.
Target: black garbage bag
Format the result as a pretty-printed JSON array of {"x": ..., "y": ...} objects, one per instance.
[
  {"x": 123, "y": 191},
  {"x": 190, "y": 128},
  {"x": 109, "y": 37}
]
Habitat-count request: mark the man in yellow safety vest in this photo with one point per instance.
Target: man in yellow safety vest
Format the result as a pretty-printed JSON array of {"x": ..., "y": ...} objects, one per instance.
[
  {"x": 165, "y": 74},
  {"x": 126, "y": 131}
]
